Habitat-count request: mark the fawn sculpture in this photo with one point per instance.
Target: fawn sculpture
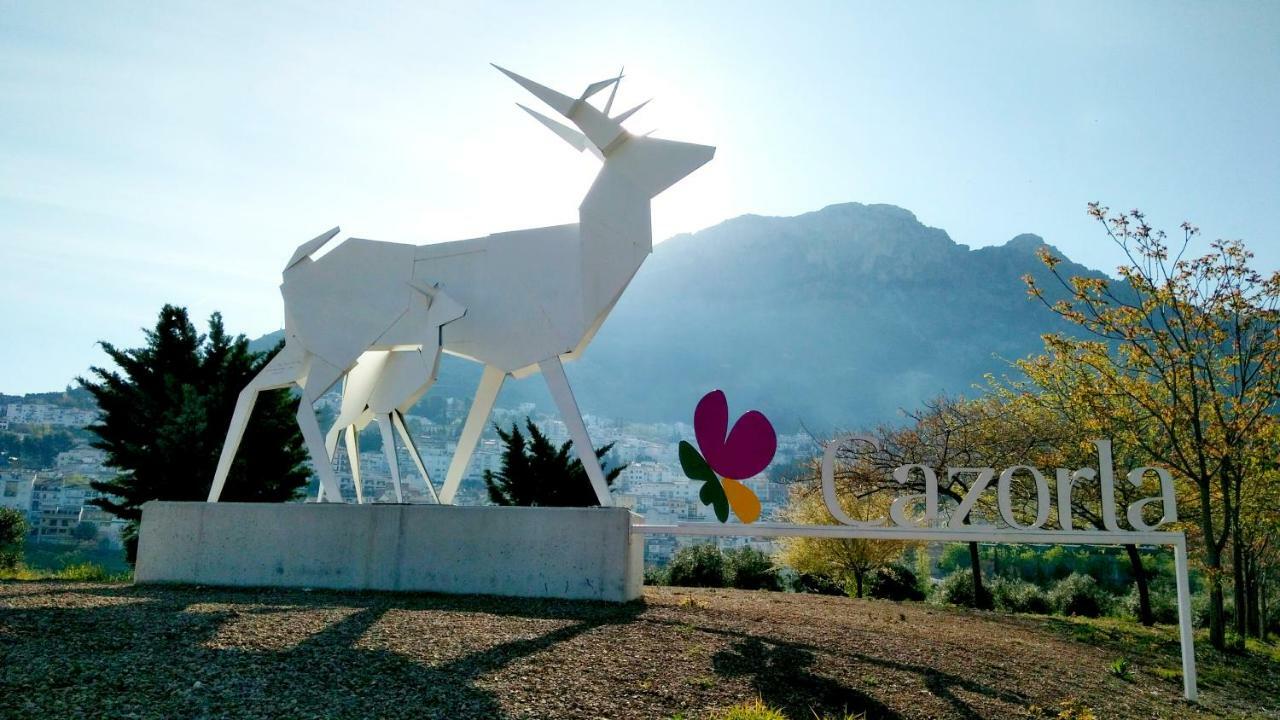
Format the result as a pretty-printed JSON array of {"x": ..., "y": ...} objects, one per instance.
[{"x": 529, "y": 299}]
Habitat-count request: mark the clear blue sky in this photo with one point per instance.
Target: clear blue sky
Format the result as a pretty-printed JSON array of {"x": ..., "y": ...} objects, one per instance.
[{"x": 170, "y": 152}]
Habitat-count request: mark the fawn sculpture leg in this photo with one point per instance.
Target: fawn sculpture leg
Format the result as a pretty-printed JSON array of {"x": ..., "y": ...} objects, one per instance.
[
  {"x": 553, "y": 372},
  {"x": 398, "y": 420},
  {"x": 389, "y": 449},
  {"x": 339, "y": 424},
  {"x": 357, "y": 385},
  {"x": 282, "y": 371},
  {"x": 353, "y": 459},
  {"x": 486, "y": 395}
]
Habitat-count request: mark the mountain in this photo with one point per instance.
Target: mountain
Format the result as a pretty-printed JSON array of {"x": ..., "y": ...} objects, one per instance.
[{"x": 834, "y": 319}]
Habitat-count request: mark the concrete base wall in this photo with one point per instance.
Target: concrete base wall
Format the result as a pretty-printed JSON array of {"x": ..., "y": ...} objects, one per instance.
[{"x": 576, "y": 553}]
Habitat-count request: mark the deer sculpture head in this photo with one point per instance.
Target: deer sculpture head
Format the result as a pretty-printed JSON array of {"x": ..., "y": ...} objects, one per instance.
[{"x": 649, "y": 165}]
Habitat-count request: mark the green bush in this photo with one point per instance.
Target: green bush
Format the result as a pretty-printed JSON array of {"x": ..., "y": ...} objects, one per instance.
[
  {"x": 818, "y": 584},
  {"x": 654, "y": 575},
  {"x": 955, "y": 556},
  {"x": 1019, "y": 596},
  {"x": 1079, "y": 594},
  {"x": 13, "y": 532},
  {"x": 56, "y": 556},
  {"x": 1164, "y": 605},
  {"x": 751, "y": 569},
  {"x": 1201, "y": 605},
  {"x": 894, "y": 582},
  {"x": 957, "y": 589},
  {"x": 701, "y": 565}
]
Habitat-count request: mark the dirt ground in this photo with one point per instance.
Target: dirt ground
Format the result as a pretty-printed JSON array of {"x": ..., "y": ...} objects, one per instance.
[{"x": 118, "y": 651}]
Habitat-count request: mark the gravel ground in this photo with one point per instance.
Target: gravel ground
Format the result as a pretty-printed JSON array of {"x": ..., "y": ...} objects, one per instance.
[{"x": 117, "y": 651}]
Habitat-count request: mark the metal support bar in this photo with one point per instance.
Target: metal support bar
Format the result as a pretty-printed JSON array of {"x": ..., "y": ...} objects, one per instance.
[{"x": 1185, "y": 632}]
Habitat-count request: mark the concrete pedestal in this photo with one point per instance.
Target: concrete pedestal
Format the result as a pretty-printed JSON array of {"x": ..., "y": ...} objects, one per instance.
[{"x": 574, "y": 553}]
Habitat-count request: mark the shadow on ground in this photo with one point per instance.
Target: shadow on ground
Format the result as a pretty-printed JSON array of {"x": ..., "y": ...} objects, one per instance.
[
  {"x": 782, "y": 676},
  {"x": 146, "y": 655}
]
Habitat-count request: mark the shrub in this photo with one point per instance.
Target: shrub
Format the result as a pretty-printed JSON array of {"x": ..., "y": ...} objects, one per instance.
[
  {"x": 1019, "y": 596},
  {"x": 1164, "y": 605},
  {"x": 1079, "y": 594},
  {"x": 957, "y": 589},
  {"x": 699, "y": 565},
  {"x": 955, "y": 556},
  {"x": 894, "y": 582},
  {"x": 13, "y": 532},
  {"x": 85, "y": 532},
  {"x": 818, "y": 584},
  {"x": 751, "y": 569},
  {"x": 1200, "y": 608},
  {"x": 654, "y": 575}
]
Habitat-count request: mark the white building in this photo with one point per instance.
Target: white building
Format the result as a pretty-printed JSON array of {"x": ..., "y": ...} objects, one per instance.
[
  {"x": 47, "y": 414},
  {"x": 16, "y": 489},
  {"x": 81, "y": 458}
]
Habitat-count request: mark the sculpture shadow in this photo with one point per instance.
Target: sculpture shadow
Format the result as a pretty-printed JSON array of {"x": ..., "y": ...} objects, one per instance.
[
  {"x": 149, "y": 653},
  {"x": 781, "y": 674}
]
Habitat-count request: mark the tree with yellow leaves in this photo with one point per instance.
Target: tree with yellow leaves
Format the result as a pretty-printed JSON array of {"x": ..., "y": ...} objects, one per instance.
[
  {"x": 1058, "y": 403},
  {"x": 848, "y": 561},
  {"x": 1193, "y": 345}
]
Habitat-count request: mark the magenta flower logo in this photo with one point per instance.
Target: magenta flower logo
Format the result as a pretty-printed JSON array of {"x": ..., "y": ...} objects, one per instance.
[{"x": 728, "y": 456}]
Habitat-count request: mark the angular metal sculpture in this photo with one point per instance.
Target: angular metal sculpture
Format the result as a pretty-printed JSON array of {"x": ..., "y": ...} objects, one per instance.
[{"x": 518, "y": 302}]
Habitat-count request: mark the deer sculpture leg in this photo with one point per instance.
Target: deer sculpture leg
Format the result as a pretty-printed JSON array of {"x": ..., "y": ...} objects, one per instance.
[
  {"x": 285, "y": 369},
  {"x": 553, "y": 372},
  {"x": 320, "y": 378},
  {"x": 481, "y": 406}
]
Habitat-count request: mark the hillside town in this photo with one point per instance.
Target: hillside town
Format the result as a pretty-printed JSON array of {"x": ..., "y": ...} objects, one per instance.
[
  {"x": 56, "y": 496},
  {"x": 54, "y": 492}
]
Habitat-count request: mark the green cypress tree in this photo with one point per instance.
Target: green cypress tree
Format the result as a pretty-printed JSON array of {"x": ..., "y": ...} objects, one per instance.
[
  {"x": 536, "y": 472},
  {"x": 165, "y": 414}
]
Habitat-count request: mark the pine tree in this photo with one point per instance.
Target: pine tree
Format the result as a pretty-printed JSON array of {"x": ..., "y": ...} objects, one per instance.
[
  {"x": 535, "y": 472},
  {"x": 165, "y": 414}
]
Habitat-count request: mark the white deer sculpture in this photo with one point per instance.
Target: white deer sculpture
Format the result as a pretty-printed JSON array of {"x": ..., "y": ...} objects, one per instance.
[{"x": 532, "y": 298}]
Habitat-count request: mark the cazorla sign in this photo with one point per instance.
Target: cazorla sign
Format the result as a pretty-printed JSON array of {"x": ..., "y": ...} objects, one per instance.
[{"x": 981, "y": 481}]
